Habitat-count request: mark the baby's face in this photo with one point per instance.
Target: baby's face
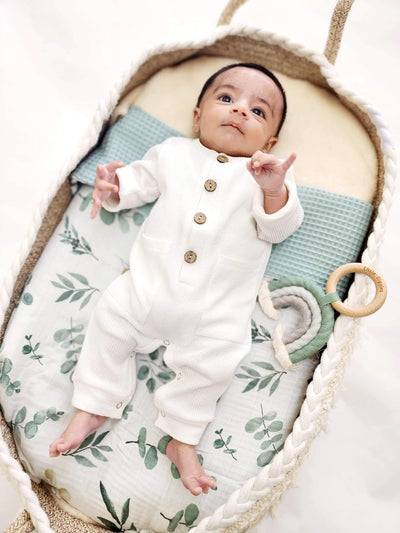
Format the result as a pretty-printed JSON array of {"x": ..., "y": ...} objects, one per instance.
[{"x": 239, "y": 113}]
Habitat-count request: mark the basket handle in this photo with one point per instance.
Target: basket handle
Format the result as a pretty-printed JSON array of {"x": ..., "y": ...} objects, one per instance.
[
  {"x": 230, "y": 9},
  {"x": 336, "y": 27}
]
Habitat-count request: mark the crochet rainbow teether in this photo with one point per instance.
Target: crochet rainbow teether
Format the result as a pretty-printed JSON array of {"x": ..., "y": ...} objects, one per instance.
[
  {"x": 315, "y": 322},
  {"x": 315, "y": 310}
]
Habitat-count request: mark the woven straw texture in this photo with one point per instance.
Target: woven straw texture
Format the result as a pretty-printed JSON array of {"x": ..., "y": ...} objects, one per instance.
[{"x": 261, "y": 494}]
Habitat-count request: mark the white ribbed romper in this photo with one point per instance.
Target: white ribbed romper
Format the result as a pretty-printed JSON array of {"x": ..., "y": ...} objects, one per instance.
[{"x": 195, "y": 269}]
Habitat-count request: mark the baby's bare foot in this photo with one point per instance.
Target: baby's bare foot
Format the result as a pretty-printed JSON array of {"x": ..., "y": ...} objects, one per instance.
[
  {"x": 80, "y": 426},
  {"x": 185, "y": 458}
]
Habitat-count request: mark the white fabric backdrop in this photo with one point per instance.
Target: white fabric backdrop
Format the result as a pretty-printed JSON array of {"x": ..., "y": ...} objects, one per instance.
[{"x": 58, "y": 60}]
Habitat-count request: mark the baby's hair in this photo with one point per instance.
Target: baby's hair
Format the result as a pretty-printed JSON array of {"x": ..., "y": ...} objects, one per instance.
[{"x": 254, "y": 66}]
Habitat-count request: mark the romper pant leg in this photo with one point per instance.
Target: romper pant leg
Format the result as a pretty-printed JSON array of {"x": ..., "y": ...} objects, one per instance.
[
  {"x": 204, "y": 369},
  {"x": 105, "y": 377}
]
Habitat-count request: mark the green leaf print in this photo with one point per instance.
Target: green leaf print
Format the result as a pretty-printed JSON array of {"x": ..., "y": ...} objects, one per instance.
[
  {"x": 86, "y": 201},
  {"x": 79, "y": 245},
  {"x": 106, "y": 216},
  {"x": 31, "y": 427},
  {"x": 84, "y": 461},
  {"x": 91, "y": 443},
  {"x": 190, "y": 514},
  {"x": 128, "y": 409},
  {"x": 27, "y": 297},
  {"x": 5, "y": 380},
  {"x": 148, "y": 451},
  {"x": 31, "y": 350},
  {"x": 70, "y": 339},
  {"x": 220, "y": 443},
  {"x": 137, "y": 215},
  {"x": 273, "y": 426},
  {"x": 142, "y": 441},
  {"x": 259, "y": 333},
  {"x": 174, "y": 522},
  {"x": 151, "y": 458},
  {"x": 125, "y": 511},
  {"x": 140, "y": 213},
  {"x": 119, "y": 522},
  {"x": 163, "y": 443},
  {"x": 153, "y": 370},
  {"x": 70, "y": 291},
  {"x": 261, "y": 380},
  {"x": 20, "y": 416},
  {"x": 265, "y": 458}
]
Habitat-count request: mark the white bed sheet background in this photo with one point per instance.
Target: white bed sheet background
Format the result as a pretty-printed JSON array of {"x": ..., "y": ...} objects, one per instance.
[{"x": 58, "y": 60}]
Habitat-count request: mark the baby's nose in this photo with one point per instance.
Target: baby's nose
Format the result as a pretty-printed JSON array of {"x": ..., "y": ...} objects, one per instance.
[{"x": 241, "y": 109}]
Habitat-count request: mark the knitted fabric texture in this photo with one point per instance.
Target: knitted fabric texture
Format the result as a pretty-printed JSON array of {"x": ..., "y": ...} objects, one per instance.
[
  {"x": 127, "y": 140},
  {"x": 334, "y": 224}
]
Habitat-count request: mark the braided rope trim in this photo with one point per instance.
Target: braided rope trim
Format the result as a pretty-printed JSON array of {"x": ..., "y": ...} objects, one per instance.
[
  {"x": 260, "y": 494},
  {"x": 22, "y": 482}
]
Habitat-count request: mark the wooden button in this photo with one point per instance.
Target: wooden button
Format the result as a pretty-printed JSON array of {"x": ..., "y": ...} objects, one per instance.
[
  {"x": 200, "y": 218},
  {"x": 190, "y": 257},
  {"x": 210, "y": 185},
  {"x": 222, "y": 158}
]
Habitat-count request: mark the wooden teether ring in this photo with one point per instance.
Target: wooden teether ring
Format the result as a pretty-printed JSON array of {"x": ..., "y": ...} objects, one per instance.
[{"x": 374, "y": 305}]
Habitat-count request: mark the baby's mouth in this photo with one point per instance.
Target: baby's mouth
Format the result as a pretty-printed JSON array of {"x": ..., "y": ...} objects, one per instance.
[{"x": 235, "y": 126}]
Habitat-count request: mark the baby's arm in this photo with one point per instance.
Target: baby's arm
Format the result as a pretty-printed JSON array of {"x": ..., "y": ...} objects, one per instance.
[
  {"x": 270, "y": 172},
  {"x": 106, "y": 185}
]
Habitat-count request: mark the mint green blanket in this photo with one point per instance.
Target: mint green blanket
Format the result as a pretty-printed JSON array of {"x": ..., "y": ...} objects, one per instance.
[{"x": 331, "y": 235}]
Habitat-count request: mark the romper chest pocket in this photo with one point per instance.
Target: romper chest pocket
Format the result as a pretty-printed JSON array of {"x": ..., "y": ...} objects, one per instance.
[{"x": 230, "y": 300}]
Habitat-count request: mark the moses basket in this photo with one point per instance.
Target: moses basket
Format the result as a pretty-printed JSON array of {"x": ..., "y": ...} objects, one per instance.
[{"x": 45, "y": 509}]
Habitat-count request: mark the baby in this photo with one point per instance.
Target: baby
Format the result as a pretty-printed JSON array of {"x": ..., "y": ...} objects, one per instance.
[{"x": 195, "y": 267}]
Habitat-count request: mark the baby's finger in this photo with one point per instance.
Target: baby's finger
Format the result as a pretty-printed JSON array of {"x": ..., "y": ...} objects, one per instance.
[
  {"x": 95, "y": 208},
  {"x": 288, "y": 163},
  {"x": 113, "y": 166},
  {"x": 103, "y": 185},
  {"x": 257, "y": 159},
  {"x": 102, "y": 172}
]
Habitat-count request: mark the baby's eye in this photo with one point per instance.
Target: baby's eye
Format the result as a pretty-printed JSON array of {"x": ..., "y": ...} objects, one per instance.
[
  {"x": 259, "y": 112},
  {"x": 225, "y": 98}
]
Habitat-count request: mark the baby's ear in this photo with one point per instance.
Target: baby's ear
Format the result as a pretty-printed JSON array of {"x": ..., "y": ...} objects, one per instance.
[
  {"x": 270, "y": 144},
  {"x": 196, "y": 120}
]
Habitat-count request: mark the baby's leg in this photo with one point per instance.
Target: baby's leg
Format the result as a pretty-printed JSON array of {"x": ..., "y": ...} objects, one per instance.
[
  {"x": 80, "y": 426},
  {"x": 185, "y": 458}
]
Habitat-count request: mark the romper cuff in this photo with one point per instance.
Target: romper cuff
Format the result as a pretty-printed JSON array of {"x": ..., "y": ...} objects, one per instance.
[
  {"x": 276, "y": 227},
  {"x": 182, "y": 430},
  {"x": 124, "y": 174},
  {"x": 136, "y": 187},
  {"x": 97, "y": 402}
]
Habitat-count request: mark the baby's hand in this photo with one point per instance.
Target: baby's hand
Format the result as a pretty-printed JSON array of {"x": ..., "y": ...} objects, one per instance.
[
  {"x": 105, "y": 185},
  {"x": 269, "y": 171}
]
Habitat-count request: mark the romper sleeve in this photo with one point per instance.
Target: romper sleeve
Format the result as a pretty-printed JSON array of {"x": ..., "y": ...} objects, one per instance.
[
  {"x": 276, "y": 227},
  {"x": 138, "y": 184}
]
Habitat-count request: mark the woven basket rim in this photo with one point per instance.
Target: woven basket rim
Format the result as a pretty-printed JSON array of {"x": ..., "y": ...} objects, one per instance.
[{"x": 156, "y": 58}]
